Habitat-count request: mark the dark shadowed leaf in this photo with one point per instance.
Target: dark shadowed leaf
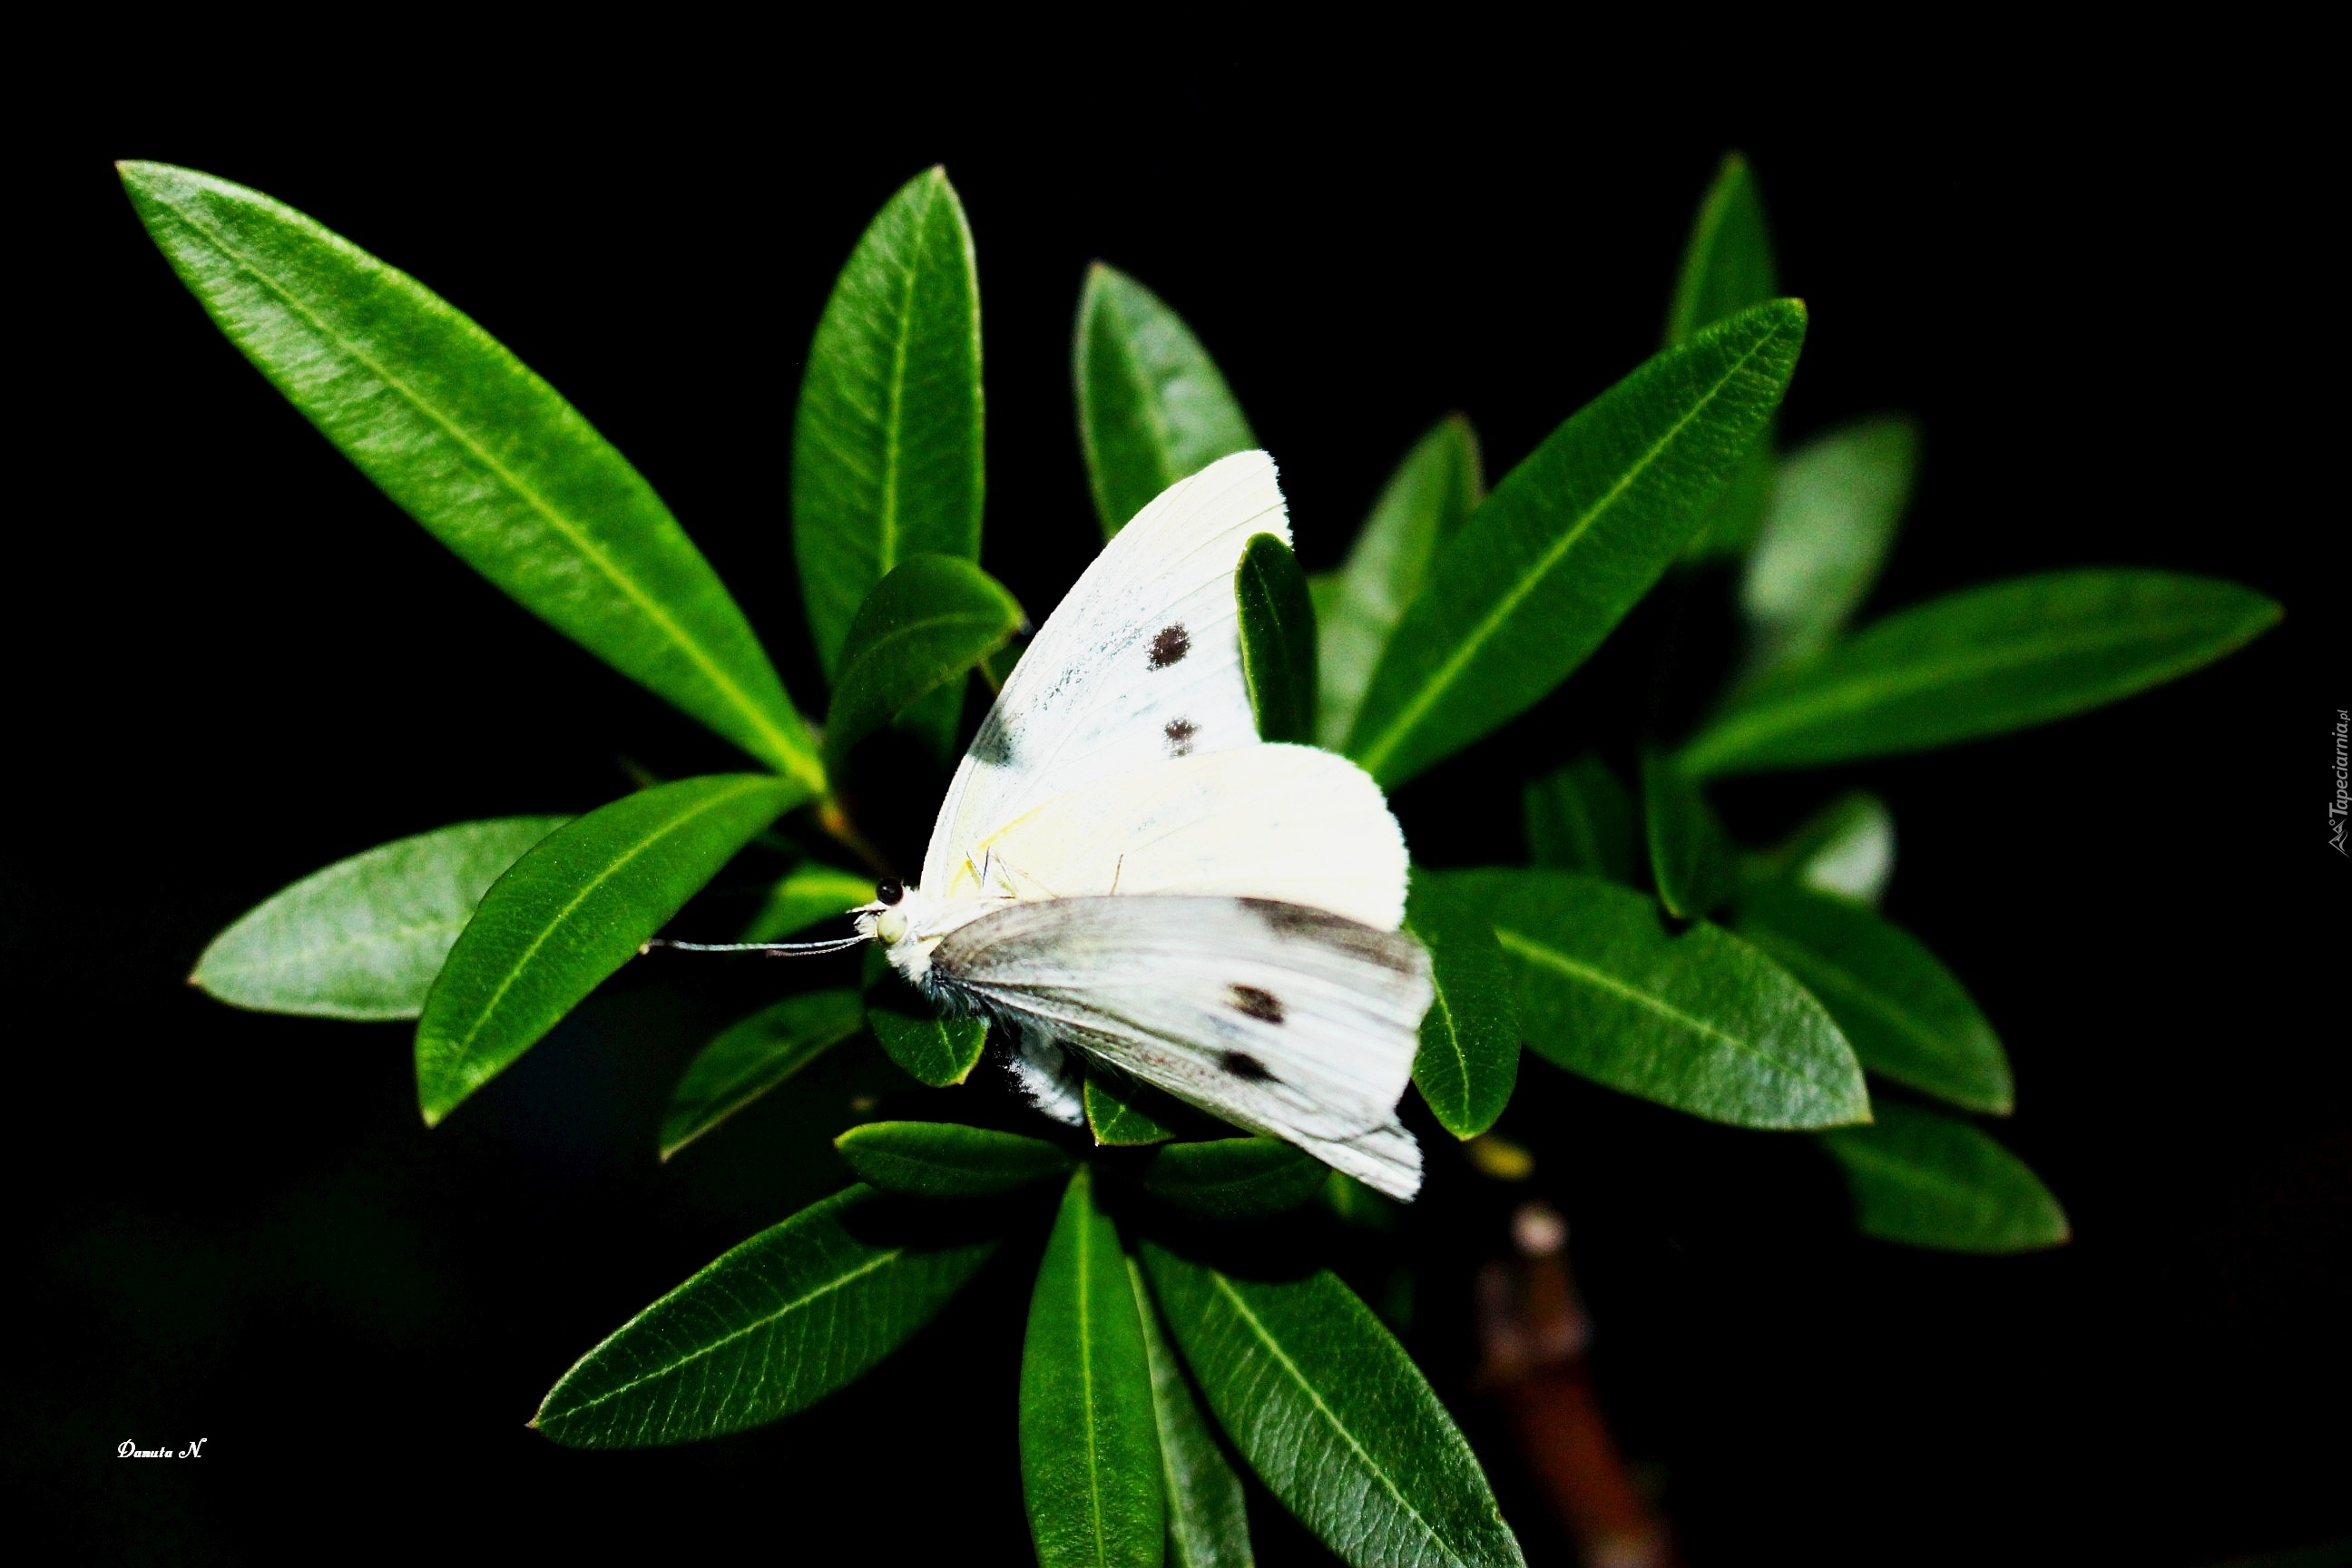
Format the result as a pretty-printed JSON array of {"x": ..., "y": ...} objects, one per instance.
[
  {"x": 1934, "y": 1181},
  {"x": 1277, "y": 628},
  {"x": 1570, "y": 540},
  {"x": 1153, "y": 407},
  {"x": 933, "y": 619},
  {"x": 887, "y": 455},
  {"x": 364, "y": 937},
  {"x": 806, "y": 894},
  {"x": 1233, "y": 1178},
  {"x": 1333, "y": 1416},
  {"x": 1580, "y": 818},
  {"x": 1357, "y": 1205},
  {"x": 774, "y": 1325},
  {"x": 1469, "y": 1056},
  {"x": 570, "y": 913},
  {"x": 1691, "y": 856},
  {"x": 1428, "y": 499},
  {"x": 754, "y": 1054},
  {"x": 1697, "y": 1019},
  {"x": 1727, "y": 266},
  {"x": 1846, "y": 848},
  {"x": 1122, "y": 1113},
  {"x": 1208, "y": 1521},
  {"x": 486, "y": 456},
  {"x": 1836, "y": 504},
  {"x": 947, "y": 1159},
  {"x": 933, "y": 1050},
  {"x": 1905, "y": 1015},
  {"x": 1979, "y": 662},
  {"x": 1090, "y": 1463}
]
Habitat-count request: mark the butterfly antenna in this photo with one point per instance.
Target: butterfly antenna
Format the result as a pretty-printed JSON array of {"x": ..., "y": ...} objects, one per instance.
[{"x": 773, "y": 948}]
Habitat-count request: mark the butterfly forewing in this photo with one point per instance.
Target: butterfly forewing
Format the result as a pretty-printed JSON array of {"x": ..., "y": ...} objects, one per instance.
[
  {"x": 1281, "y": 1018},
  {"x": 1140, "y": 664}
]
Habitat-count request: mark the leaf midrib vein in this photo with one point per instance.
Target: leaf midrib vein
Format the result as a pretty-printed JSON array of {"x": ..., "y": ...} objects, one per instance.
[{"x": 596, "y": 557}]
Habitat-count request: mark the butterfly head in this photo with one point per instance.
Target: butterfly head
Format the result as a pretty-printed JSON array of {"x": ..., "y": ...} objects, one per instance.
[{"x": 909, "y": 924}]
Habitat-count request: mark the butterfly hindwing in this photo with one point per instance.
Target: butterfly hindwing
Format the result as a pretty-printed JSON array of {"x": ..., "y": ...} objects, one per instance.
[{"x": 1275, "y": 1017}]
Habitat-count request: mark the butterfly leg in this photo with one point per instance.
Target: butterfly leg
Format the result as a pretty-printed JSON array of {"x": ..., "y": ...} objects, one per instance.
[{"x": 1049, "y": 1077}]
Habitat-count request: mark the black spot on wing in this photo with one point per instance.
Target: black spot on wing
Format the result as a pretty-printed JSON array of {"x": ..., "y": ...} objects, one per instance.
[
  {"x": 1245, "y": 1066},
  {"x": 993, "y": 744},
  {"x": 1180, "y": 733},
  {"x": 1263, "y": 1005},
  {"x": 1172, "y": 643},
  {"x": 1387, "y": 949}
]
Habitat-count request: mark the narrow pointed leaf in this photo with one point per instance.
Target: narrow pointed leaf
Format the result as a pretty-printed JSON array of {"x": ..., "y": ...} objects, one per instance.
[
  {"x": 1728, "y": 267},
  {"x": 772, "y": 1327},
  {"x": 804, "y": 895},
  {"x": 1233, "y": 1178},
  {"x": 1333, "y": 1416},
  {"x": 1976, "y": 663},
  {"x": 1570, "y": 540},
  {"x": 1933, "y": 1181},
  {"x": 886, "y": 453},
  {"x": 489, "y": 458},
  {"x": 1277, "y": 628},
  {"x": 1691, "y": 856},
  {"x": 947, "y": 1159},
  {"x": 1580, "y": 818},
  {"x": 364, "y": 937},
  {"x": 1122, "y": 1113},
  {"x": 572, "y": 912},
  {"x": 1090, "y": 1465},
  {"x": 1208, "y": 1520},
  {"x": 1153, "y": 407},
  {"x": 1906, "y": 1016},
  {"x": 1697, "y": 1020},
  {"x": 1425, "y": 502},
  {"x": 754, "y": 1054},
  {"x": 1836, "y": 502},
  {"x": 933, "y": 1050},
  {"x": 932, "y": 619},
  {"x": 1469, "y": 1056},
  {"x": 1846, "y": 848}
]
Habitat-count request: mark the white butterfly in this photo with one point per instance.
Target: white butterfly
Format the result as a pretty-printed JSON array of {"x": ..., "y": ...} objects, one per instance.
[{"x": 1123, "y": 868}]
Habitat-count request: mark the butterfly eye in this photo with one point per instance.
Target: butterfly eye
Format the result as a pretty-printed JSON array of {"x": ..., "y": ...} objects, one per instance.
[{"x": 890, "y": 890}]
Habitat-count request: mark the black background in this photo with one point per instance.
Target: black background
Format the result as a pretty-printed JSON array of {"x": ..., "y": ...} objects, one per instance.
[{"x": 234, "y": 662}]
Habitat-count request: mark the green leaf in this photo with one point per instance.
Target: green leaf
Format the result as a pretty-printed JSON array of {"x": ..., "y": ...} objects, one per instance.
[
  {"x": 1425, "y": 502},
  {"x": 1580, "y": 818},
  {"x": 1233, "y": 1178},
  {"x": 772, "y": 1327},
  {"x": 1834, "y": 508},
  {"x": 1846, "y": 848},
  {"x": 1357, "y": 1205},
  {"x": 364, "y": 937},
  {"x": 1904, "y": 1014},
  {"x": 471, "y": 444},
  {"x": 1690, "y": 854},
  {"x": 1469, "y": 1056},
  {"x": 1153, "y": 407},
  {"x": 571, "y": 912},
  {"x": 1208, "y": 1520},
  {"x": 933, "y": 1050},
  {"x": 805, "y": 895},
  {"x": 1122, "y": 1113},
  {"x": 1933, "y": 1181},
  {"x": 933, "y": 619},
  {"x": 1570, "y": 540},
  {"x": 1979, "y": 662},
  {"x": 947, "y": 1159},
  {"x": 1333, "y": 1416},
  {"x": 1278, "y": 630},
  {"x": 1090, "y": 1463},
  {"x": 886, "y": 450},
  {"x": 1728, "y": 267},
  {"x": 1697, "y": 1020},
  {"x": 753, "y": 1056}
]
